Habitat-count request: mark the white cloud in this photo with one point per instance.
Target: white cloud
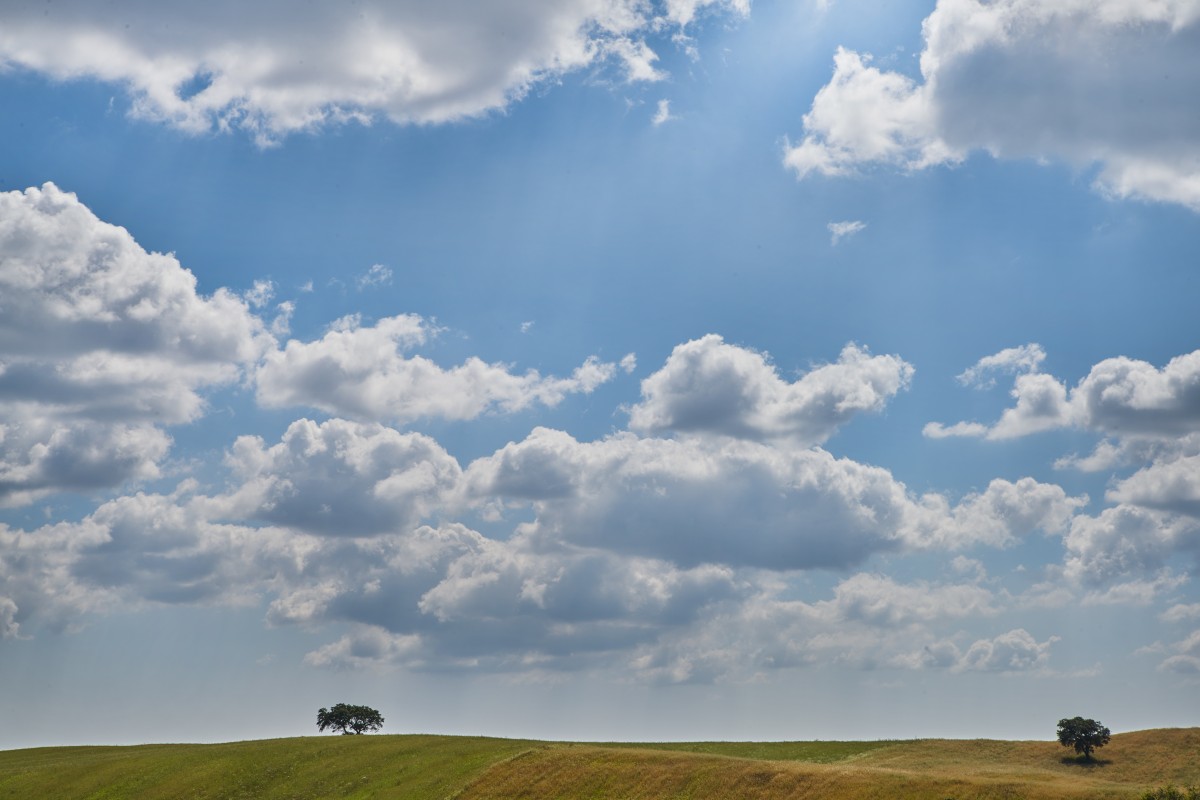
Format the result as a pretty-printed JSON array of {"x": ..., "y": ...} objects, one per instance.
[
  {"x": 1126, "y": 396},
  {"x": 841, "y": 230},
  {"x": 870, "y": 622},
  {"x": 339, "y": 478},
  {"x": 710, "y": 386},
  {"x": 136, "y": 550},
  {"x": 359, "y": 371},
  {"x": 1184, "y": 665},
  {"x": 662, "y": 113},
  {"x": 1186, "y": 660},
  {"x": 1013, "y": 360},
  {"x": 377, "y": 275},
  {"x": 628, "y": 363},
  {"x": 545, "y": 598},
  {"x": 1137, "y": 592},
  {"x": 684, "y": 12},
  {"x": 936, "y": 430},
  {"x": 278, "y": 68},
  {"x": 1168, "y": 484},
  {"x": 1015, "y": 651},
  {"x": 1082, "y": 82},
  {"x": 695, "y": 501},
  {"x": 1181, "y": 612},
  {"x": 368, "y": 647},
  {"x": 999, "y": 516},
  {"x": 260, "y": 293},
  {"x": 879, "y": 600},
  {"x": 1119, "y": 397},
  {"x": 1126, "y": 540},
  {"x": 9, "y": 627},
  {"x": 866, "y": 115},
  {"x": 282, "y": 324},
  {"x": 101, "y": 343}
]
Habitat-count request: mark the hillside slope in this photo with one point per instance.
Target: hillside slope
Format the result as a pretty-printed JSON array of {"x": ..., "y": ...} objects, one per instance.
[
  {"x": 916, "y": 770},
  {"x": 473, "y": 768},
  {"x": 308, "y": 768}
]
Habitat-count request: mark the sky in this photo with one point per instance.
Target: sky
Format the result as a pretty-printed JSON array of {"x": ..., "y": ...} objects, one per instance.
[{"x": 599, "y": 369}]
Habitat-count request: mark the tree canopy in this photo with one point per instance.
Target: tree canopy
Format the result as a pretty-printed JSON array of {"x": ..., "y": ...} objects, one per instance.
[
  {"x": 1085, "y": 735},
  {"x": 349, "y": 719}
]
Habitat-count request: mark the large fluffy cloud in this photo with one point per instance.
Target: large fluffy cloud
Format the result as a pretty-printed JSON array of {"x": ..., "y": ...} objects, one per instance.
[
  {"x": 1118, "y": 397},
  {"x": 361, "y": 371},
  {"x": 339, "y": 478},
  {"x": 100, "y": 344},
  {"x": 1085, "y": 82},
  {"x": 275, "y": 67},
  {"x": 710, "y": 386},
  {"x": 694, "y": 501},
  {"x": 1127, "y": 540},
  {"x": 1170, "y": 484}
]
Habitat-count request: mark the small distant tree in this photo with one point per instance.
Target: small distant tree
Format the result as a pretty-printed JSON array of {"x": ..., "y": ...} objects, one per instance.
[
  {"x": 1085, "y": 735},
  {"x": 349, "y": 719}
]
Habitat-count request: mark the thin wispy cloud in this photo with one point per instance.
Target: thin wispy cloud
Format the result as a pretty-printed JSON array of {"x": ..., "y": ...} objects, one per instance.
[{"x": 842, "y": 230}]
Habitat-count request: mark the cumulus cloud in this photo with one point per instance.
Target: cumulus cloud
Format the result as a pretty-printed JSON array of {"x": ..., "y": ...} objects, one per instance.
[
  {"x": 1081, "y": 82},
  {"x": 696, "y": 501},
  {"x": 101, "y": 344},
  {"x": 870, "y": 622},
  {"x": 136, "y": 550},
  {"x": 879, "y": 600},
  {"x": 709, "y": 386},
  {"x": 368, "y": 647},
  {"x": 841, "y": 230},
  {"x": 1126, "y": 540},
  {"x": 340, "y": 478},
  {"x": 1119, "y": 397},
  {"x": 692, "y": 502},
  {"x": 1015, "y": 651},
  {"x": 866, "y": 115},
  {"x": 360, "y": 371},
  {"x": 278, "y": 69},
  {"x": 553, "y": 596},
  {"x": 999, "y": 516},
  {"x": 1169, "y": 484}
]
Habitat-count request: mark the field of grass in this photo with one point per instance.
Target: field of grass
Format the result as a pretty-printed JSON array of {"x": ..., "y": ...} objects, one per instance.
[
  {"x": 469, "y": 768},
  {"x": 309, "y": 768}
]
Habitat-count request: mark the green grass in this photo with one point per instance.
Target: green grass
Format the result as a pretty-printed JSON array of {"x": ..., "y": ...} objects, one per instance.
[
  {"x": 473, "y": 768},
  {"x": 310, "y": 768}
]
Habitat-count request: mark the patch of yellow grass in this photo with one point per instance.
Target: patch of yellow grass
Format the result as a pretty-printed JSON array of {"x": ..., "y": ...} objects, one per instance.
[{"x": 918, "y": 770}]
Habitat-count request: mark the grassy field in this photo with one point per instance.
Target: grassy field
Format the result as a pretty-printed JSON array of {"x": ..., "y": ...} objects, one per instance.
[{"x": 468, "y": 768}]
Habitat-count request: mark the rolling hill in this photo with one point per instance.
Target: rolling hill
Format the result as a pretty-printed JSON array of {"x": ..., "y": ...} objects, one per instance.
[{"x": 475, "y": 768}]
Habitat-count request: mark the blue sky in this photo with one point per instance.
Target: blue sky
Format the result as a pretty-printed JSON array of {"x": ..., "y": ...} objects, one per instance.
[{"x": 612, "y": 369}]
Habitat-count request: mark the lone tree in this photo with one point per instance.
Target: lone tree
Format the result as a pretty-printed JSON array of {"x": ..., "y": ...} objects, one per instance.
[
  {"x": 349, "y": 719},
  {"x": 1085, "y": 735}
]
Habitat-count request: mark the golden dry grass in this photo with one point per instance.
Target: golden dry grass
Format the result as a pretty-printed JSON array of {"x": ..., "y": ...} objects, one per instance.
[{"x": 917, "y": 770}]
